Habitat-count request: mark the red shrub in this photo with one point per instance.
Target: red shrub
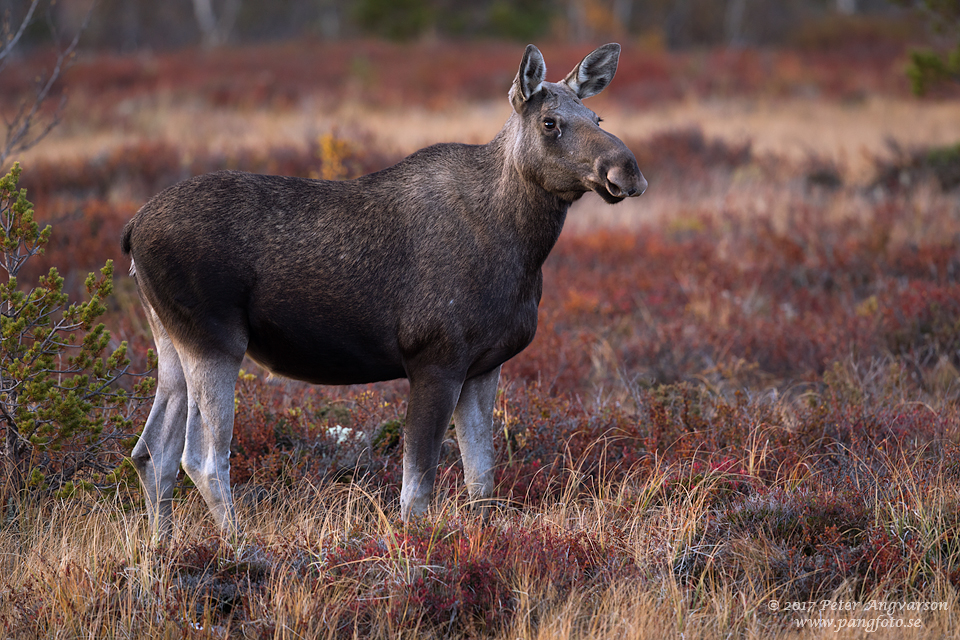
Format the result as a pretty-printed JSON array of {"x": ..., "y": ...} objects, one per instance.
[
  {"x": 923, "y": 320},
  {"x": 462, "y": 579}
]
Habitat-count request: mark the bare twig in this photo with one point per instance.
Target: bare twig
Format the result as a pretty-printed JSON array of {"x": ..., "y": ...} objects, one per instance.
[
  {"x": 23, "y": 131},
  {"x": 9, "y": 45}
]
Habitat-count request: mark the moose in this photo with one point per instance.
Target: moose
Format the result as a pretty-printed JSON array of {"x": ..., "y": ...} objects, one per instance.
[{"x": 428, "y": 270}]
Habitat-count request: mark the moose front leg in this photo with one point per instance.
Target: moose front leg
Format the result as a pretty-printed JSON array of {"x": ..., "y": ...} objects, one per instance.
[
  {"x": 473, "y": 419},
  {"x": 433, "y": 396}
]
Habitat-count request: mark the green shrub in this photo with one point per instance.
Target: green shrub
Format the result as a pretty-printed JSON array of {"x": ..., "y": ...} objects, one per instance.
[{"x": 64, "y": 413}]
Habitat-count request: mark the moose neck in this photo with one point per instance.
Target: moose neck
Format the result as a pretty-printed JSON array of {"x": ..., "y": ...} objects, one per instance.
[{"x": 526, "y": 211}]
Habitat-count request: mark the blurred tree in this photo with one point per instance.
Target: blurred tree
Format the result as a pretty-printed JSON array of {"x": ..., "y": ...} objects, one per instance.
[
  {"x": 130, "y": 25},
  {"x": 928, "y": 67},
  {"x": 215, "y": 30},
  {"x": 394, "y": 19},
  {"x": 623, "y": 13},
  {"x": 733, "y": 23},
  {"x": 330, "y": 19},
  {"x": 847, "y": 7},
  {"x": 525, "y": 20}
]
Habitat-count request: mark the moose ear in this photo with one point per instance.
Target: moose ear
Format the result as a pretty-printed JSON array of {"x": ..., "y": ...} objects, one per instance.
[
  {"x": 529, "y": 78},
  {"x": 595, "y": 71}
]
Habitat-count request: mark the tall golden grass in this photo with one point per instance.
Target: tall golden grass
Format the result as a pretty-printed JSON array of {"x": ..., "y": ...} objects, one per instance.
[{"x": 88, "y": 569}]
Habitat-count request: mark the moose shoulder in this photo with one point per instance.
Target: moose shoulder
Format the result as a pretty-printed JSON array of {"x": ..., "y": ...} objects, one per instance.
[{"x": 429, "y": 270}]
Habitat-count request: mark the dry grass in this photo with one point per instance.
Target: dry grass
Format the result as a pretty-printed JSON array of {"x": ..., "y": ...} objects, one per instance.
[{"x": 80, "y": 569}]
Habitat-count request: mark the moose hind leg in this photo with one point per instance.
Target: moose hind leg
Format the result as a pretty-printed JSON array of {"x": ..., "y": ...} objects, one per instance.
[
  {"x": 432, "y": 399},
  {"x": 211, "y": 380},
  {"x": 157, "y": 453},
  {"x": 473, "y": 418}
]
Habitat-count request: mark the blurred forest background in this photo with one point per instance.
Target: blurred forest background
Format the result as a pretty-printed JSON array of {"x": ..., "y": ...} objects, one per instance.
[{"x": 127, "y": 25}]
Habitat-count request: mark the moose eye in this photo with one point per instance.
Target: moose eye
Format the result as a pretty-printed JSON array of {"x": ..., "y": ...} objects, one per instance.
[{"x": 549, "y": 124}]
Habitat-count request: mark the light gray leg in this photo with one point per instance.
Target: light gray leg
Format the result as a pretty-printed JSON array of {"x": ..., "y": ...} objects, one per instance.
[
  {"x": 473, "y": 418},
  {"x": 433, "y": 396},
  {"x": 156, "y": 455},
  {"x": 211, "y": 384}
]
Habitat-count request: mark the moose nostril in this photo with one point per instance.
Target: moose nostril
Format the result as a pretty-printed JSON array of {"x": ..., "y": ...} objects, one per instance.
[{"x": 625, "y": 183}]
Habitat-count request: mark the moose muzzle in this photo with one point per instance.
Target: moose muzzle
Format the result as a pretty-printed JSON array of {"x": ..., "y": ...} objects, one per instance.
[{"x": 625, "y": 182}]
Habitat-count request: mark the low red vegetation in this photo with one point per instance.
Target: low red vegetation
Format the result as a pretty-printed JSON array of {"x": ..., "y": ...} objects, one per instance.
[{"x": 382, "y": 74}]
